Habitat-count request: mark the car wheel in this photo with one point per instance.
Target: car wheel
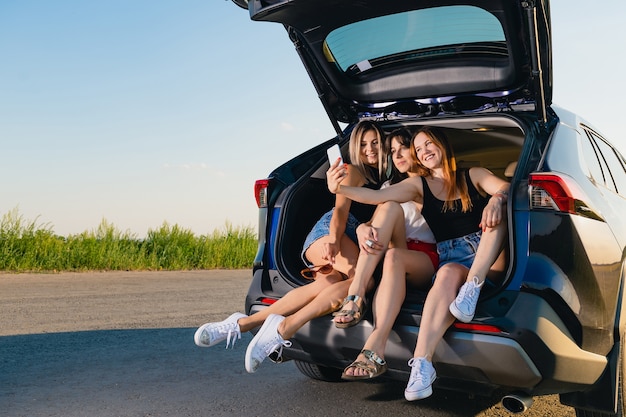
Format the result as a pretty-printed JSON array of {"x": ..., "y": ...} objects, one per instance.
[
  {"x": 321, "y": 373},
  {"x": 621, "y": 387}
]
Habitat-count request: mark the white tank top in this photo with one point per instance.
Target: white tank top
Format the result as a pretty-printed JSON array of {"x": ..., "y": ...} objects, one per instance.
[{"x": 414, "y": 223}]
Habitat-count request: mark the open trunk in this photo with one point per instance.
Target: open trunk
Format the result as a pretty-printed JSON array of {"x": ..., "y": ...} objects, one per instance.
[
  {"x": 493, "y": 142},
  {"x": 496, "y": 142}
]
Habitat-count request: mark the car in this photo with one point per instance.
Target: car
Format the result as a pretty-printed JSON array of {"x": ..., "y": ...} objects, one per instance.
[{"x": 481, "y": 70}]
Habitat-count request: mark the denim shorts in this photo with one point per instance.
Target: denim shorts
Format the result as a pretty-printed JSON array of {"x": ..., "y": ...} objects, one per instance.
[
  {"x": 322, "y": 228},
  {"x": 460, "y": 250}
]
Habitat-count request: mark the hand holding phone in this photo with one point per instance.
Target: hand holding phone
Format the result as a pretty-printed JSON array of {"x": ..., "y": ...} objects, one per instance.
[
  {"x": 333, "y": 154},
  {"x": 335, "y": 175}
]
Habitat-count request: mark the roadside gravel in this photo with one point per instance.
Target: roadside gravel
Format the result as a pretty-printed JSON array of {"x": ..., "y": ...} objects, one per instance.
[{"x": 64, "y": 302}]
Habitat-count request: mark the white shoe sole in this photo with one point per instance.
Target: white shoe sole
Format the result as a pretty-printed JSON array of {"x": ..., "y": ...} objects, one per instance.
[
  {"x": 196, "y": 337},
  {"x": 271, "y": 321},
  {"x": 421, "y": 394},
  {"x": 454, "y": 310},
  {"x": 198, "y": 333}
]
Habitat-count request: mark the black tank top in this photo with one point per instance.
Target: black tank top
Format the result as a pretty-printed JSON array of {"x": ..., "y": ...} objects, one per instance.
[
  {"x": 364, "y": 212},
  {"x": 454, "y": 223}
]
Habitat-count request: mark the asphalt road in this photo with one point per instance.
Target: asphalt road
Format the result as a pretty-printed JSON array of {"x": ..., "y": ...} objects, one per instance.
[{"x": 121, "y": 344}]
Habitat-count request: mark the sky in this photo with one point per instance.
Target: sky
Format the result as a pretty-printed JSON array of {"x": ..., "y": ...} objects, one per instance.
[{"x": 143, "y": 112}]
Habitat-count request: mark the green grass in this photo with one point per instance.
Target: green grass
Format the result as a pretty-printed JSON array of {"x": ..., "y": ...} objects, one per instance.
[{"x": 27, "y": 246}]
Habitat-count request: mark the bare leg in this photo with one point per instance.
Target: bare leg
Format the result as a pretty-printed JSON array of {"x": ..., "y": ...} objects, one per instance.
[
  {"x": 464, "y": 305},
  {"x": 301, "y": 296},
  {"x": 345, "y": 260},
  {"x": 292, "y": 301},
  {"x": 326, "y": 302},
  {"x": 400, "y": 266},
  {"x": 489, "y": 249},
  {"x": 389, "y": 221},
  {"x": 436, "y": 317}
]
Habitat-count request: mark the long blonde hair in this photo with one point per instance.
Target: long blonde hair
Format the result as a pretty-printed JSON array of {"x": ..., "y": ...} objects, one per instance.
[
  {"x": 356, "y": 136},
  {"x": 454, "y": 179}
]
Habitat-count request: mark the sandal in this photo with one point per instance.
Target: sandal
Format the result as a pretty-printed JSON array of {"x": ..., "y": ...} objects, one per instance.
[
  {"x": 375, "y": 366},
  {"x": 357, "y": 314}
]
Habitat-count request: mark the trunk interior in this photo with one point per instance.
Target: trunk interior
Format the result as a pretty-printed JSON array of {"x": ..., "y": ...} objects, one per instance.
[{"x": 492, "y": 142}]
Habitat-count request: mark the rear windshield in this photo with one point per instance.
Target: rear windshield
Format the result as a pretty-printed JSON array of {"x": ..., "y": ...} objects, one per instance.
[{"x": 426, "y": 34}]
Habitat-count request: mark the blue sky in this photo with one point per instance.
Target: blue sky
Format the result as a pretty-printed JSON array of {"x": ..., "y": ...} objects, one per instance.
[{"x": 146, "y": 111}]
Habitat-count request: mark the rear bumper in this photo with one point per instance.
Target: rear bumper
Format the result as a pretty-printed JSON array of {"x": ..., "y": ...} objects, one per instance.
[{"x": 534, "y": 353}]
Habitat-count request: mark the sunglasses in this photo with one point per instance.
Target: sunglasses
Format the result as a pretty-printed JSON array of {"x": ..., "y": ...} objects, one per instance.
[{"x": 310, "y": 273}]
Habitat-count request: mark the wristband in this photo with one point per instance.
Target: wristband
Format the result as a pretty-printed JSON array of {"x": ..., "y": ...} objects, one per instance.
[{"x": 502, "y": 196}]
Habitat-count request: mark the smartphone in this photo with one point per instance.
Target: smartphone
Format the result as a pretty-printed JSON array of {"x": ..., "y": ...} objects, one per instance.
[{"x": 334, "y": 153}]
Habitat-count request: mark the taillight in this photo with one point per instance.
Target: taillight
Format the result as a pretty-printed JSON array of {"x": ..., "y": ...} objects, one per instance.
[
  {"x": 261, "y": 192},
  {"x": 556, "y": 192},
  {"x": 477, "y": 327}
]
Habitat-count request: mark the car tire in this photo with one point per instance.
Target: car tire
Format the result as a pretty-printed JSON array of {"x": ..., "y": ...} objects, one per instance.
[
  {"x": 621, "y": 387},
  {"x": 321, "y": 373}
]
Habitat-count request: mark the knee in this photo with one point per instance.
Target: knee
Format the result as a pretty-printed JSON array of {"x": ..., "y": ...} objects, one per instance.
[
  {"x": 392, "y": 256},
  {"x": 336, "y": 294},
  {"x": 450, "y": 276},
  {"x": 392, "y": 207},
  {"x": 328, "y": 279}
]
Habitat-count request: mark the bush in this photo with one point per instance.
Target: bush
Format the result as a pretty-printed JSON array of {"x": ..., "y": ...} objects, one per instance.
[{"x": 29, "y": 246}]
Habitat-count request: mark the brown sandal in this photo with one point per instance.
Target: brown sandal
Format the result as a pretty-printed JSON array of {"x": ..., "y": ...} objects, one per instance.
[
  {"x": 357, "y": 314},
  {"x": 375, "y": 366}
]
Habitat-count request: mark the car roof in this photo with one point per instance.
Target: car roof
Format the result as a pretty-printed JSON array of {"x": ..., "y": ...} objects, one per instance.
[{"x": 370, "y": 54}]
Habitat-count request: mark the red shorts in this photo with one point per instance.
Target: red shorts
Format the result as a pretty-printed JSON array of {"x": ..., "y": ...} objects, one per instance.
[{"x": 430, "y": 249}]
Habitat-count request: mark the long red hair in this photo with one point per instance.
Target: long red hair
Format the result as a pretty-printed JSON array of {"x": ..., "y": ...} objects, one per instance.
[{"x": 455, "y": 181}]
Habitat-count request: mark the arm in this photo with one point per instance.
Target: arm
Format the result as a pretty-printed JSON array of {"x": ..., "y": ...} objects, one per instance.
[
  {"x": 337, "y": 228},
  {"x": 406, "y": 190},
  {"x": 339, "y": 219},
  {"x": 488, "y": 183}
]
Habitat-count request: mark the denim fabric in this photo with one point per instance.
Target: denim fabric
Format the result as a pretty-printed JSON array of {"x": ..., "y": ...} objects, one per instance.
[
  {"x": 460, "y": 250},
  {"x": 322, "y": 228}
]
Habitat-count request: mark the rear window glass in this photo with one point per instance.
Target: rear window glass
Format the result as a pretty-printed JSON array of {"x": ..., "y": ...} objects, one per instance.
[{"x": 416, "y": 35}]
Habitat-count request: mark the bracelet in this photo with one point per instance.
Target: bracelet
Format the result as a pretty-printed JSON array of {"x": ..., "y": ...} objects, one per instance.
[{"x": 502, "y": 196}]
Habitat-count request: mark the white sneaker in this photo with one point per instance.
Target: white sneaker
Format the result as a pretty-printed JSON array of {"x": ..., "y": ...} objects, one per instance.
[
  {"x": 210, "y": 334},
  {"x": 464, "y": 305},
  {"x": 422, "y": 377},
  {"x": 266, "y": 341}
]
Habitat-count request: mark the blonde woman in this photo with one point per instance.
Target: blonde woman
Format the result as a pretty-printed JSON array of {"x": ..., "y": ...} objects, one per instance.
[{"x": 332, "y": 241}]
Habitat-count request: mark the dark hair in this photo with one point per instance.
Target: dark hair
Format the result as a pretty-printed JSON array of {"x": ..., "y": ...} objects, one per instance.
[{"x": 405, "y": 138}]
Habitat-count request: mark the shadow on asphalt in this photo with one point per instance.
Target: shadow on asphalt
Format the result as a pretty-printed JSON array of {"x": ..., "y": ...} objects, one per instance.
[{"x": 160, "y": 372}]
